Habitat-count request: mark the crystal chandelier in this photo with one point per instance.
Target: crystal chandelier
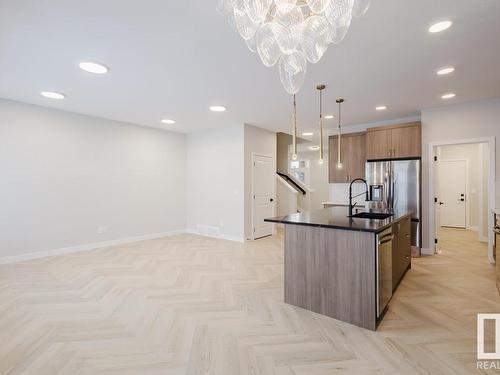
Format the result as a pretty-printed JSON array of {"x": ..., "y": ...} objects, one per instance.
[{"x": 291, "y": 33}]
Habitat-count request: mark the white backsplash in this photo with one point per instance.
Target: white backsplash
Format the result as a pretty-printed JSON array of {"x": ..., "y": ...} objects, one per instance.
[{"x": 339, "y": 193}]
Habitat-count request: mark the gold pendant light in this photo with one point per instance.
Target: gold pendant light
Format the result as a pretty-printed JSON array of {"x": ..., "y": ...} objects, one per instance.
[
  {"x": 294, "y": 137},
  {"x": 320, "y": 88},
  {"x": 339, "y": 162}
]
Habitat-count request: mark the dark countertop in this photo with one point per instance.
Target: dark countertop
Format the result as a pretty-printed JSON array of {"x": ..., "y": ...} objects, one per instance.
[{"x": 338, "y": 218}]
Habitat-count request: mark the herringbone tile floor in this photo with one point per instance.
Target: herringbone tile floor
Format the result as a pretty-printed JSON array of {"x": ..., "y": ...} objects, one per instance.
[{"x": 194, "y": 305}]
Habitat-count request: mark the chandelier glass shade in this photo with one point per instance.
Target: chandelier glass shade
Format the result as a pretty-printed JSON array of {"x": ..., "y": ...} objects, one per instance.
[{"x": 291, "y": 33}]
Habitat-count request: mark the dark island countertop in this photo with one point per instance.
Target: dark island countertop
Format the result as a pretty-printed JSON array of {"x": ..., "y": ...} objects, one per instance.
[{"x": 338, "y": 218}]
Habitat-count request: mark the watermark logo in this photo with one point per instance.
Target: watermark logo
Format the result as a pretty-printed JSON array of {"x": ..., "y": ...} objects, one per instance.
[{"x": 488, "y": 360}]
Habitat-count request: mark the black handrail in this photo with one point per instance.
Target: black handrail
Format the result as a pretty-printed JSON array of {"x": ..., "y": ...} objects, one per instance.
[{"x": 292, "y": 182}]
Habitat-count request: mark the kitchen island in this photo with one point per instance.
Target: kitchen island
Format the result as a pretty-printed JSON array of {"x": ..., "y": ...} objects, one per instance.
[{"x": 345, "y": 267}]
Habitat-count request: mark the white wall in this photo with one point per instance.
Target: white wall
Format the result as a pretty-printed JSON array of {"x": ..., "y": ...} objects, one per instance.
[
  {"x": 286, "y": 198},
  {"x": 318, "y": 177},
  {"x": 464, "y": 121},
  {"x": 470, "y": 152},
  {"x": 215, "y": 182},
  {"x": 64, "y": 175},
  {"x": 262, "y": 142}
]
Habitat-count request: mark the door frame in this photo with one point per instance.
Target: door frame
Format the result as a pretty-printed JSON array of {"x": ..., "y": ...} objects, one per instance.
[
  {"x": 466, "y": 187},
  {"x": 254, "y": 154},
  {"x": 432, "y": 152}
]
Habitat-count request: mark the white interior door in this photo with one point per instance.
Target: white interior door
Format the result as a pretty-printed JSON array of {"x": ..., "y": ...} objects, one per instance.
[
  {"x": 452, "y": 193},
  {"x": 263, "y": 195}
]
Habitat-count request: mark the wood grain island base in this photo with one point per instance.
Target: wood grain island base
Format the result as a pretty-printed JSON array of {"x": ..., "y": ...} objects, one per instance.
[
  {"x": 331, "y": 272},
  {"x": 334, "y": 265}
]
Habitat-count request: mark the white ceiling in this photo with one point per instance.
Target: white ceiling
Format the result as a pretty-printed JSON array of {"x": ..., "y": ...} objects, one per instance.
[{"x": 172, "y": 59}]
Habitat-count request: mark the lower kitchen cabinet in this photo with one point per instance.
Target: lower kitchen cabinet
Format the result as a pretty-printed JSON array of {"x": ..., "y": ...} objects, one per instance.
[{"x": 401, "y": 250}]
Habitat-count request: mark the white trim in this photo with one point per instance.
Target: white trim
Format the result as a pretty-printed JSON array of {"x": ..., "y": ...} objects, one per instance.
[
  {"x": 473, "y": 228},
  {"x": 427, "y": 251},
  {"x": 254, "y": 154},
  {"x": 220, "y": 236},
  {"x": 86, "y": 247},
  {"x": 491, "y": 185},
  {"x": 480, "y": 167}
]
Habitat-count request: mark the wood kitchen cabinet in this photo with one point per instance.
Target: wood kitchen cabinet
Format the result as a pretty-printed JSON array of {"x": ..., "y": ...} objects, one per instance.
[
  {"x": 353, "y": 156},
  {"x": 378, "y": 144},
  {"x": 394, "y": 142},
  {"x": 401, "y": 250}
]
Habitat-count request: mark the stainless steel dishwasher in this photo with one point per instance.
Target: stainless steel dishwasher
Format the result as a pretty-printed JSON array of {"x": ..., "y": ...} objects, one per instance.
[{"x": 384, "y": 269}]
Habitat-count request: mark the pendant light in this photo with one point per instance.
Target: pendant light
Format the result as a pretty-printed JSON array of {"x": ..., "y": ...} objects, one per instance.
[
  {"x": 294, "y": 137},
  {"x": 320, "y": 88},
  {"x": 339, "y": 162}
]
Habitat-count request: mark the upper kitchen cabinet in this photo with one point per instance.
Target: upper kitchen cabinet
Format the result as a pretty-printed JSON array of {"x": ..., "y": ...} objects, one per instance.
[
  {"x": 394, "y": 142},
  {"x": 378, "y": 144},
  {"x": 353, "y": 155}
]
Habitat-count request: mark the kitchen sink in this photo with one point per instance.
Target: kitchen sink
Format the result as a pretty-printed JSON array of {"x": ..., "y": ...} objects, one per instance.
[{"x": 372, "y": 215}]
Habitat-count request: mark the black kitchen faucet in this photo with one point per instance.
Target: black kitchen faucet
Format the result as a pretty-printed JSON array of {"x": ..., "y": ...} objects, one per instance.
[{"x": 351, "y": 206}]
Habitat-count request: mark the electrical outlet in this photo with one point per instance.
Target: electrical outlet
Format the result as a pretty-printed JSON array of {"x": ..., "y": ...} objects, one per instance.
[{"x": 102, "y": 229}]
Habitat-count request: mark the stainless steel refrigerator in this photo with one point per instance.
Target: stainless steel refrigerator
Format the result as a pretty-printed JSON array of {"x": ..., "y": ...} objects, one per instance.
[{"x": 396, "y": 184}]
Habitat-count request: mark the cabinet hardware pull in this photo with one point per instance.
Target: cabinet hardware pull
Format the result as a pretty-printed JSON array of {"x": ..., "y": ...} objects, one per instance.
[{"x": 385, "y": 240}]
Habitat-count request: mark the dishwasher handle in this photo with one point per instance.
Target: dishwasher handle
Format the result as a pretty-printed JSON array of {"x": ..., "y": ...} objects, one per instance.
[{"x": 386, "y": 239}]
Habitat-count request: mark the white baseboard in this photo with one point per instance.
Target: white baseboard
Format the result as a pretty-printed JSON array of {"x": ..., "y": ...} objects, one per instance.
[
  {"x": 86, "y": 247},
  {"x": 474, "y": 229},
  {"x": 426, "y": 251},
  {"x": 220, "y": 236}
]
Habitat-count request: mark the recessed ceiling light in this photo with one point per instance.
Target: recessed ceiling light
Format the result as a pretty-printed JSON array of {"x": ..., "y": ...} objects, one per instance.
[
  {"x": 307, "y": 134},
  {"x": 168, "y": 121},
  {"x": 445, "y": 71},
  {"x": 329, "y": 117},
  {"x": 218, "y": 108},
  {"x": 448, "y": 96},
  {"x": 381, "y": 107},
  {"x": 52, "y": 95},
  {"x": 93, "y": 67},
  {"x": 440, "y": 26},
  {"x": 314, "y": 148}
]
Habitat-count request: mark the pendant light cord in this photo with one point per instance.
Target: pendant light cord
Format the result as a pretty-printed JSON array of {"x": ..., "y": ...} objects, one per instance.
[
  {"x": 294, "y": 127},
  {"x": 321, "y": 125},
  {"x": 339, "y": 161}
]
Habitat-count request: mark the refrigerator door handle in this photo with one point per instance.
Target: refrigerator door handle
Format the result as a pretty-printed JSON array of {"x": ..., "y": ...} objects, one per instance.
[{"x": 393, "y": 189}]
